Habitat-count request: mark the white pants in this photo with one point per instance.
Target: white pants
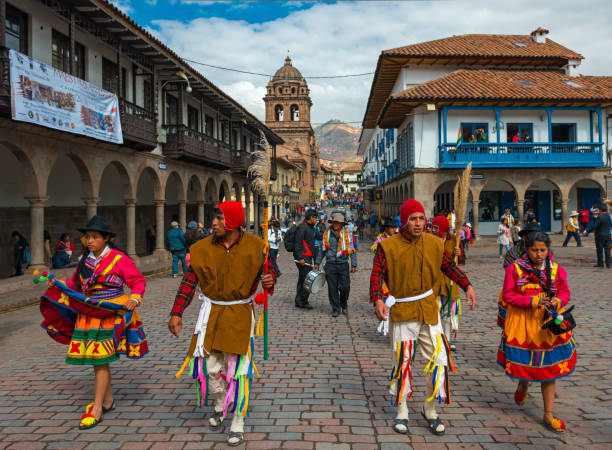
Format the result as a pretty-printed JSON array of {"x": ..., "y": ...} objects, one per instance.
[{"x": 427, "y": 337}]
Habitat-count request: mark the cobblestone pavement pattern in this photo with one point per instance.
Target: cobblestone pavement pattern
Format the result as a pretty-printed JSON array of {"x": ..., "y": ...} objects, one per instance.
[{"x": 325, "y": 384}]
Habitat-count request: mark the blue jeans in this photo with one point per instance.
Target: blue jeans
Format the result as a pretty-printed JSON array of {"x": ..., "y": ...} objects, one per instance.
[
  {"x": 501, "y": 249},
  {"x": 175, "y": 260}
]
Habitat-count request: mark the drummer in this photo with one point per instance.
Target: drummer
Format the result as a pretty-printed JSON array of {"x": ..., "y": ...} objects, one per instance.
[{"x": 338, "y": 246}]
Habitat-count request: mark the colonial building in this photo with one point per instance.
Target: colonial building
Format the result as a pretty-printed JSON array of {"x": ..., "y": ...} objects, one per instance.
[
  {"x": 285, "y": 192},
  {"x": 183, "y": 146},
  {"x": 536, "y": 132},
  {"x": 288, "y": 115}
]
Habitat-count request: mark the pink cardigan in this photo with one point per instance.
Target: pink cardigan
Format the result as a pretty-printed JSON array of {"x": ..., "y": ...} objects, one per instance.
[{"x": 512, "y": 294}]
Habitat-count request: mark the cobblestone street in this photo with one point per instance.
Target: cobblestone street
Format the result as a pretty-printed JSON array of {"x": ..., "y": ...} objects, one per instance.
[{"x": 325, "y": 384}]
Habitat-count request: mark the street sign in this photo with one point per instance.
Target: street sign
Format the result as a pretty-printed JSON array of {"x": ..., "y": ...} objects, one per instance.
[
  {"x": 477, "y": 176},
  {"x": 162, "y": 166}
]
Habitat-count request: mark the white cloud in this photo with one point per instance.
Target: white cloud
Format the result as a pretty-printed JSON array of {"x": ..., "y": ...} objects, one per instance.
[
  {"x": 123, "y": 5},
  {"x": 343, "y": 38}
]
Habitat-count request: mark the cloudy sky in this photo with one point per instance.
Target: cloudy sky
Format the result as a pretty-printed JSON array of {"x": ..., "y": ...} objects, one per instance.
[{"x": 339, "y": 38}]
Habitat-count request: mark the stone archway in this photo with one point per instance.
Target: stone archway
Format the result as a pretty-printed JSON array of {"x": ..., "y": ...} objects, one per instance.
[
  {"x": 175, "y": 209},
  {"x": 195, "y": 200},
  {"x": 150, "y": 232},
  {"x": 116, "y": 202},
  {"x": 543, "y": 199},
  {"x": 495, "y": 196},
  {"x": 211, "y": 200},
  {"x": 224, "y": 191}
]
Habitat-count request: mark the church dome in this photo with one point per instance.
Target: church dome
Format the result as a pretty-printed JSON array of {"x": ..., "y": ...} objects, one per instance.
[{"x": 288, "y": 72}]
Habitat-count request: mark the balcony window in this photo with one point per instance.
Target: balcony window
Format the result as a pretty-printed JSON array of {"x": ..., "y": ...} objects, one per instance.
[
  {"x": 519, "y": 132},
  {"x": 193, "y": 118},
  {"x": 110, "y": 77},
  {"x": 210, "y": 126},
  {"x": 171, "y": 110},
  {"x": 16, "y": 26},
  {"x": 148, "y": 95},
  {"x": 475, "y": 132},
  {"x": 234, "y": 142},
  {"x": 60, "y": 54},
  {"x": 225, "y": 133},
  {"x": 563, "y": 132}
]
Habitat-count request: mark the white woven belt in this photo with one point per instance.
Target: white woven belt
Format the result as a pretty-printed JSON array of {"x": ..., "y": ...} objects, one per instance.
[
  {"x": 202, "y": 322},
  {"x": 383, "y": 327}
]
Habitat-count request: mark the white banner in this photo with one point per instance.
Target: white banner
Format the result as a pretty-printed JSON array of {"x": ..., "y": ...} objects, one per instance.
[{"x": 46, "y": 96}]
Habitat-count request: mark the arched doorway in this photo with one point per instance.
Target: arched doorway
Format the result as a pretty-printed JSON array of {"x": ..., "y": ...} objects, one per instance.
[
  {"x": 113, "y": 191},
  {"x": 69, "y": 183},
  {"x": 224, "y": 192},
  {"x": 210, "y": 201},
  {"x": 496, "y": 196},
  {"x": 195, "y": 197},
  {"x": 175, "y": 196},
  {"x": 147, "y": 192},
  {"x": 543, "y": 198},
  {"x": 584, "y": 194},
  {"x": 444, "y": 199},
  {"x": 14, "y": 208}
]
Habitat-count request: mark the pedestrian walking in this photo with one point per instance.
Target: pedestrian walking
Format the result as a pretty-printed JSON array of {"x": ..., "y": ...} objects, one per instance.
[
  {"x": 508, "y": 215},
  {"x": 95, "y": 317},
  {"x": 466, "y": 236},
  {"x": 304, "y": 253},
  {"x": 175, "y": 240},
  {"x": 514, "y": 232},
  {"x": 228, "y": 268},
  {"x": 503, "y": 237},
  {"x": 601, "y": 227},
  {"x": 411, "y": 263},
  {"x": 534, "y": 287},
  {"x": 572, "y": 228},
  {"x": 63, "y": 252},
  {"x": 338, "y": 247},
  {"x": 20, "y": 244},
  {"x": 275, "y": 239},
  {"x": 585, "y": 217}
]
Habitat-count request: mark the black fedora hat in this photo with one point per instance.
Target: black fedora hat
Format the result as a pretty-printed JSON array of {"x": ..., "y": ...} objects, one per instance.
[
  {"x": 530, "y": 227},
  {"x": 98, "y": 223}
]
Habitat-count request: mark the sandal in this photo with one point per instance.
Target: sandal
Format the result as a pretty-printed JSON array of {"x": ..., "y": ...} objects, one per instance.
[
  {"x": 434, "y": 424},
  {"x": 556, "y": 425},
  {"x": 89, "y": 407},
  {"x": 89, "y": 421},
  {"x": 403, "y": 422},
  {"x": 520, "y": 397},
  {"x": 235, "y": 435},
  {"x": 217, "y": 417}
]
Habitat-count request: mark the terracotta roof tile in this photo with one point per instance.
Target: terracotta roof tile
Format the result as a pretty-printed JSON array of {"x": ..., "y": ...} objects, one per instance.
[
  {"x": 510, "y": 85},
  {"x": 486, "y": 45}
]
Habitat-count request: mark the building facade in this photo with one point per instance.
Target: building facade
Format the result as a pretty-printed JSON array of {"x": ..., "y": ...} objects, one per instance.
[
  {"x": 538, "y": 135},
  {"x": 288, "y": 106},
  {"x": 285, "y": 192},
  {"x": 186, "y": 143}
]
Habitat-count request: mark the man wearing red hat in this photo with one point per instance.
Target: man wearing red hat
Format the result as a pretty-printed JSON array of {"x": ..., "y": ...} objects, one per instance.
[
  {"x": 411, "y": 263},
  {"x": 227, "y": 267},
  {"x": 450, "y": 303}
]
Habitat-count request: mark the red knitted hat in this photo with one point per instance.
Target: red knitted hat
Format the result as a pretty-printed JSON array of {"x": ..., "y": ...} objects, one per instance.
[
  {"x": 442, "y": 223},
  {"x": 409, "y": 207},
  {"x": 233, "y": 214}
]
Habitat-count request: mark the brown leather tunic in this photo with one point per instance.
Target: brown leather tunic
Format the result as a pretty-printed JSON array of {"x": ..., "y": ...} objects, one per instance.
[
  {"x": 228, "y": 275},
  {"x": 412, "y": 269}
]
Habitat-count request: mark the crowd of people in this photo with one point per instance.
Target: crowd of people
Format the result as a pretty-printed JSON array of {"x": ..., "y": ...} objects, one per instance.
[{"x": 415, "y": 287}]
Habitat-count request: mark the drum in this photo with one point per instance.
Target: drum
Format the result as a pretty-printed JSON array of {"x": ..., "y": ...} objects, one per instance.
[{"x": 315, "y": 280}]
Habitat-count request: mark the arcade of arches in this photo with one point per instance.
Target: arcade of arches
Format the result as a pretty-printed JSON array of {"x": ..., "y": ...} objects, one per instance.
[
  {"x": 550, "y": 193},
  {"x": 56, "y": 185}
]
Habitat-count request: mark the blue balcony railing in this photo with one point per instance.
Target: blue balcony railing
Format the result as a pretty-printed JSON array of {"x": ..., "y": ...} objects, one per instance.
[{"x": 525, "y": 154}]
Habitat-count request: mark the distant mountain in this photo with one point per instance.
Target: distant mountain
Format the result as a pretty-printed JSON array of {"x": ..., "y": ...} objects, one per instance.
[{"x": 338, "y": 141}]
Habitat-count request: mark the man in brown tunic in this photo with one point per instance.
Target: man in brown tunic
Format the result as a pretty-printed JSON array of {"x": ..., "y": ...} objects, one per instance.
[
  {"x": 227, "y": 267},
  {"x": 412, "y": 263}
]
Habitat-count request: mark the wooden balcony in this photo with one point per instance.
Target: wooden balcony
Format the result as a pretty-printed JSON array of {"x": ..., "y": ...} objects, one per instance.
[
  {"x": 191, "y": 145},
  {"x": 5, "y": 85},
  {"x": 139, "y": 126},
  {"x": 240, "y": 162}
]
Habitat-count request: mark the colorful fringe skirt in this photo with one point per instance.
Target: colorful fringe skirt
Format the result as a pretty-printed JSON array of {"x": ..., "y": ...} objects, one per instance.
[
  {"x": 529, "y": 353},
  {"x": 96, "y": 330}
]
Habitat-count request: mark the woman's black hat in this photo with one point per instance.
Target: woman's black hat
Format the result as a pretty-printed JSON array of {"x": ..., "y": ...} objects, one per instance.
[
  {"x": 99, "y": 224},
  {"x": 530, "y": 227},
  {"x": 389, "y": 223}
]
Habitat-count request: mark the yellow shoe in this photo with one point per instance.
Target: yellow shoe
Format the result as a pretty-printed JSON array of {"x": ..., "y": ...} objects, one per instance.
[{"x": 89, "y": 421}]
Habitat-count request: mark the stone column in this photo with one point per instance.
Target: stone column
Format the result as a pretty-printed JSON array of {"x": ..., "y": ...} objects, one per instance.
[
  {"x": 37, "y": 226},
  {"x": 201, "y": 211},
  {"x": 475, "y": 216},
  {"x": 183, "y": 214},
  {"x": 91, "y": 205},
  {"x": 520, "y": 207},
  {"x": 564, "y": 216},
  {"x": 160, "y": 235},
  {"x": 130, "y": 226},
  {"x": 247, "y": 214}
]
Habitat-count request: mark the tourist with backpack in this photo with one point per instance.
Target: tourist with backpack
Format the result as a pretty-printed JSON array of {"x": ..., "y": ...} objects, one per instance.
[{"x": 304, "y": 253}]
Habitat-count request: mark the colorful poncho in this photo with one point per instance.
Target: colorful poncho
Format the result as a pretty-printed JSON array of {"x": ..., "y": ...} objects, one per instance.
[{"x": 345, "y": 245}]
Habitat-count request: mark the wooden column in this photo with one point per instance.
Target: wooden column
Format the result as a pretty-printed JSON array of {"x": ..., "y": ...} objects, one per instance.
[
  {"x": 119, "y": 73},
  {"x": 71, "y": 27},
  {"x": 179, "y": 112},
  {"x": 2, "y": 23},
  {"x": 154, "y": 93}
]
